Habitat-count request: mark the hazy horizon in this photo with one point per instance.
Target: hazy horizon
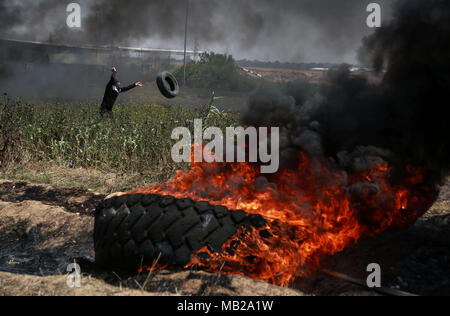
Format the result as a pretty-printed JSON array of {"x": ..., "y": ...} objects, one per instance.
[{"x": 300, "y": 31}]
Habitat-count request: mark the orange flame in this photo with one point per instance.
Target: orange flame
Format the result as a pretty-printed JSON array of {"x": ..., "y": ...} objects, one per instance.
[{"x": 310, "y": 212}]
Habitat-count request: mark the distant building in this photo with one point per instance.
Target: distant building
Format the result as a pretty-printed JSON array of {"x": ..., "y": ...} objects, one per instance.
[
  {"x": 55, "y": 69},
  {"x": 41, "y": 52},
  {"x": 59, "y": 66}
]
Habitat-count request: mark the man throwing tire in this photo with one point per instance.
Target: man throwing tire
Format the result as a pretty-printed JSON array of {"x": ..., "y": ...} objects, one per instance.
[{"x": 112, "y": 91}]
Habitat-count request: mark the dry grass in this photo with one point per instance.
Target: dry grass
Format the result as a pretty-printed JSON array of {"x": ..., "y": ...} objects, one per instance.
[
  {"x": 89, "y": 179},
  {"x": 28, "y": 285}
]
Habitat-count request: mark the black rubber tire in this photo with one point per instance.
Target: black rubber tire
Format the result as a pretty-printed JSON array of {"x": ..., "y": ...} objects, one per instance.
[
  {"x": 131, "y": 231},
  {"x": 168, "y": 85}
]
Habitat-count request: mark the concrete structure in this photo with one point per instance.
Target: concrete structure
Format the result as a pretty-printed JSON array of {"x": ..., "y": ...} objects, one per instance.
[
  {"x": 41, "y": 52},
  {"x": 49, "y": 66}
]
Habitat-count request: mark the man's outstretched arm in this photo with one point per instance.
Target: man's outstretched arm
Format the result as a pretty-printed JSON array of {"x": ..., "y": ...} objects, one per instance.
[{"x": 132, "y": 86}]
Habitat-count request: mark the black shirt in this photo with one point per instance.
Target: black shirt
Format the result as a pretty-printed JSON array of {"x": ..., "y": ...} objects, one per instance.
[{"x": 112, "y": 91}]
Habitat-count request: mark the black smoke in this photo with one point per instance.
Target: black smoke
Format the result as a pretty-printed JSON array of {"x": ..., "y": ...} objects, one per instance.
[
  {"x": 354, "y": 123},
  {"x": 270, "y": 29},
  {"x": 265, "y": 29}
]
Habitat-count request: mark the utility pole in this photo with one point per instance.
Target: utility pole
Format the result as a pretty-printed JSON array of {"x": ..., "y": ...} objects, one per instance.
[{"x": 185, "y": 41}]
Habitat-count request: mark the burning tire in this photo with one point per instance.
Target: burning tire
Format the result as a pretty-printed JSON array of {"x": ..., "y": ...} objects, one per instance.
[
  {"x": 168, "y": 85},
  {"x": 132, "y": 231}
]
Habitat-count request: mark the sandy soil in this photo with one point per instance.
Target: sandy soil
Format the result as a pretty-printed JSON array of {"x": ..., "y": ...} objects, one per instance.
[{"x": 44, "y": 229}]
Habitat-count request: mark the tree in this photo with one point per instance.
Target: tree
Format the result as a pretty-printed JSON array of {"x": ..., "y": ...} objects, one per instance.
[{"x": 216, "y": 71}]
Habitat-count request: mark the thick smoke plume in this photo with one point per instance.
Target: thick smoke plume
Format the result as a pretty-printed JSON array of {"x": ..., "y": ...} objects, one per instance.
[
  {"x": 353, "y": 123},
  {"x": 288, "y": 30},
  {"x": 261, "y": 29}
]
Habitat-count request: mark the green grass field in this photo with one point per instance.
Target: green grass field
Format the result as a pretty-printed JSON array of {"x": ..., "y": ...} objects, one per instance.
[{"x": 73, "y": 135}]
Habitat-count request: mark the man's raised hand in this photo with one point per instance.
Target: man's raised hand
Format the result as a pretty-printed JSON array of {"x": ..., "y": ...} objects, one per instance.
[
  {"x": 114, "y": 69},
  {"x": 139, "y": 84}
]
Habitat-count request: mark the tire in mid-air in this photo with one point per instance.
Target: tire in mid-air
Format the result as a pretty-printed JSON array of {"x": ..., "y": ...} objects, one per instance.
[
  {"x": 168, "y": 85},
  {"x": 134, "y": 230}
]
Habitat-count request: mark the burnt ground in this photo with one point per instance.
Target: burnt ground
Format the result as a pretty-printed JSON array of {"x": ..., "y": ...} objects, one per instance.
[{"x": 43, "y": 229}]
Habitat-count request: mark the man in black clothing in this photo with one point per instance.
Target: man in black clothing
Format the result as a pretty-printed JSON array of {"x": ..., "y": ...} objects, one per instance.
[{"x": 112, "y": 91}]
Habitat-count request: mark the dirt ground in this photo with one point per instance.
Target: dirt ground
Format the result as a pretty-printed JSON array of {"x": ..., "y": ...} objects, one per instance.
[{"x": 43, "y": 229}]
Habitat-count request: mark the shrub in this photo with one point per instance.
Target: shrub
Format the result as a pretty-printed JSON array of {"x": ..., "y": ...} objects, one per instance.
[{"x": 216, "y": 72}]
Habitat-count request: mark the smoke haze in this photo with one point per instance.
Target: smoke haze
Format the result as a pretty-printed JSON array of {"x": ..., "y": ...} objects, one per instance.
[
  {"x": 355, "y": 124},
  {"x": 285, "y": 30}
]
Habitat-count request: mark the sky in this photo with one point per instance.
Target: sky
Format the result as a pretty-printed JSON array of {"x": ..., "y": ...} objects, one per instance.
[{"x": 268, "y": 30}]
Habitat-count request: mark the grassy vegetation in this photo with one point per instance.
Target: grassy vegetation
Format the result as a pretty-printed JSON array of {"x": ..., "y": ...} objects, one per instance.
[
  {"x": 72, "y": 135},
  {"x": 67, "y": 143}
]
